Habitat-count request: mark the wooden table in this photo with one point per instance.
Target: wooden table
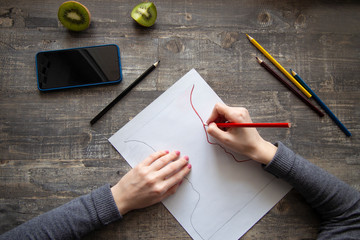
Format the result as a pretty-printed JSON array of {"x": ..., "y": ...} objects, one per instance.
[{"x": 50, "y": 154}]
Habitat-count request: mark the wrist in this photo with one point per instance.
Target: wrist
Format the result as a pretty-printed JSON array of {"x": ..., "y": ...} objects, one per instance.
[
  {"x": 264, "y": 152},
  {"x": 120, "y": 203}
]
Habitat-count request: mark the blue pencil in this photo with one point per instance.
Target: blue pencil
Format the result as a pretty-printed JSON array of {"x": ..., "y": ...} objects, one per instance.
[{"x": 321, "y": 103}]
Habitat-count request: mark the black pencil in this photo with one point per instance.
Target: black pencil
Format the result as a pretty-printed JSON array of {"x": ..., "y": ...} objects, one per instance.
[
  {"x": 290, "y": 87},
  {"x": 128, "y": 89}
]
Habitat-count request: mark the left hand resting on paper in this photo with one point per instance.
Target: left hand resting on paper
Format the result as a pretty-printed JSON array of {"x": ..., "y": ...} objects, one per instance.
[{"x": 154, "y": 179}]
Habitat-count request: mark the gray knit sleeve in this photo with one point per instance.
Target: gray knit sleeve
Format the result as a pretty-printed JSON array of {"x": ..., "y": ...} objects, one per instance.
[
  {"x": 337, "y": 203},
  {"x": 72, "y": 220}
]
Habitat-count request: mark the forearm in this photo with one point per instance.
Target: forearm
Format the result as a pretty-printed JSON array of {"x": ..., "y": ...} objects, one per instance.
[
  {"x": 337, "y": 203},
  {"x": 322, "y": 190},
  {"x": 72, "y": 220}
]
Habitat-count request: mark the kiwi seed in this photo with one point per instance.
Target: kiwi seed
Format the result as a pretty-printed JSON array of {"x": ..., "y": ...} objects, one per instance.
[{"x": 74, "y": 16}]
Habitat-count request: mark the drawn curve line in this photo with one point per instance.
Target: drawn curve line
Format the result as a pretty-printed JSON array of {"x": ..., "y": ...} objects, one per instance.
[
  {"x": 138, "y": 141},
  {"x": 191, "y": 184},
  {"x": 206, "y": 134},
  {"x": 193, "y": 211}
]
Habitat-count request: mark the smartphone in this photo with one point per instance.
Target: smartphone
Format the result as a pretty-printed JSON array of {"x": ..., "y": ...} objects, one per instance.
[{"x": 78, "y": 67}]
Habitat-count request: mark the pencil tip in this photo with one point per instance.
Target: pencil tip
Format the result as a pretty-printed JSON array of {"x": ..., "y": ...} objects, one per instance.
[
  {"x": 293, "y": 72},
  {"x": 259, "y": 60},
  {"x": 157, "y": 63},
  {"x": 247, "y": 35}
]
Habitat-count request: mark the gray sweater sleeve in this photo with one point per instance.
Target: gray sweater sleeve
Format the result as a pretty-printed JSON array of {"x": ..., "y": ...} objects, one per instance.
[
  {"x": 72, "y": 220},
  {"x": 336, "y": 202}
]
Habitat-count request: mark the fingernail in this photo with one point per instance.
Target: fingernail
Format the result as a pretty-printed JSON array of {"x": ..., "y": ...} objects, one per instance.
[
  {"x": 177, "y": 153},
  {"x": 186, "y": 158},
  {"x": 166, "y": 151},
  {"x": 189, "y": 166}
]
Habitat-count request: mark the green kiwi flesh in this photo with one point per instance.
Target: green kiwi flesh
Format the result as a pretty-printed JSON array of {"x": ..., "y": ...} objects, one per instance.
[
  {"x": 74, "y": 16},
  {"x": 144, "y": 14}
]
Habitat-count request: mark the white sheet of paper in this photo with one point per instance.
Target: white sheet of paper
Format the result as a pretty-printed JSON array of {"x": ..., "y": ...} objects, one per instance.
[{"x": 221, "y": 198}]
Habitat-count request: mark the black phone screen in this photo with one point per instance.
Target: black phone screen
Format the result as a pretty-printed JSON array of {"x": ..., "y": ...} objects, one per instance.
[{"x": 78, "y": 67}]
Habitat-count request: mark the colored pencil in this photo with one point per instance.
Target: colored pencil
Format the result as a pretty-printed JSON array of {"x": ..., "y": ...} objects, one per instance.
[
  {"x": 290, "y": 87},
  {"x": 322, "y": 104},
  {"x": 286, "y": 73},
  {"x": 262, "y": 125},
  {"x": 126, "y": 91}
]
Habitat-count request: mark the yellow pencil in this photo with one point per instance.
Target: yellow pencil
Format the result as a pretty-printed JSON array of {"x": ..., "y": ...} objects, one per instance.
[{"x": 287, "y": 74}]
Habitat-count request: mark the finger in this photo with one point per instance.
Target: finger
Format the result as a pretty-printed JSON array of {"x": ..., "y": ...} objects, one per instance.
[
  {"x": 216, "y": 132},
  {"x": 223, "y": 113},
  {"x": 173, "y": 167},
  {"x": 231, "y": 114},
  {"x": 178, "y": 176},
  {"x": 241, "y": 115},
  {"x": 164, "y": 160},
  {"x": 153, "y": 157},
  {"x": 215, "y": 114}
]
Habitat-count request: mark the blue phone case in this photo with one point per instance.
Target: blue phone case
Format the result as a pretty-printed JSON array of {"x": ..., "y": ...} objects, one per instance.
[{"x": 81, "y": 85}]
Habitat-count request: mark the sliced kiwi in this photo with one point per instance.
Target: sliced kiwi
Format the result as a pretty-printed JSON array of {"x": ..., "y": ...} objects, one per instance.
[
  {"x": 74, "y": 16},
  {"x": 144, "y": 14}
]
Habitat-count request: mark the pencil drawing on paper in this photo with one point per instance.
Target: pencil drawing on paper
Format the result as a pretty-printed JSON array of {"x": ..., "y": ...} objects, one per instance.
[{"x": 225, "y": 193}]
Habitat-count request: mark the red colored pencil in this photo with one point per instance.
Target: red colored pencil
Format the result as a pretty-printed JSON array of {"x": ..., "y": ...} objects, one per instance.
[{"x": 263, "y": 125}]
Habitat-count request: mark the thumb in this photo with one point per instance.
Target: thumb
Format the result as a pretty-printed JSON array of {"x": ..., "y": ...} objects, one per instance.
[{"x": 216, "y": 132}]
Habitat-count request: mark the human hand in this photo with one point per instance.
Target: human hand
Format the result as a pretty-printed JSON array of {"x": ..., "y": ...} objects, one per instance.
[
  {"x": 151, "y": 181},
  {"x": 246, "y": 141}
]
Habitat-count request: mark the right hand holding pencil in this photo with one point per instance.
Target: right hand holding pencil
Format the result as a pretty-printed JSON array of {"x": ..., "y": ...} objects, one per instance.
[{"x": 246, "y": 141}]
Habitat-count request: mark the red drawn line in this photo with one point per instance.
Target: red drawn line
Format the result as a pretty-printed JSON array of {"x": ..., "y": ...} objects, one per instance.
[{"x": 207, "y": 136}]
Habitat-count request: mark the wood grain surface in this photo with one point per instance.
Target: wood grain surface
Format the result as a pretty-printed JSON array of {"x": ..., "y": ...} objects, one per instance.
[{"x": 49, "y": 153}]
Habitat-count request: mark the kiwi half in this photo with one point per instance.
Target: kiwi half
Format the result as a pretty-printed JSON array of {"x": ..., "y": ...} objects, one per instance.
[
  {"x": 74, "y": 16},
  {"x": 144, "y": 14}
]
